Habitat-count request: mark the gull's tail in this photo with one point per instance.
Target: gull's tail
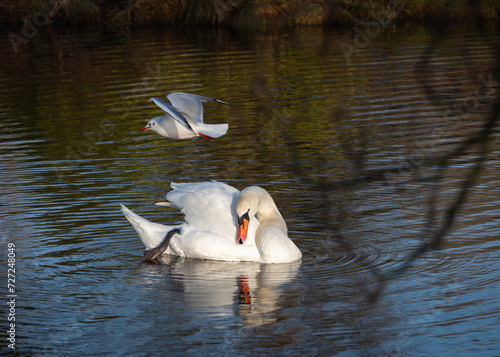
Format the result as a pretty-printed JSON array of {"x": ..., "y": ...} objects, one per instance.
[{"x": 212, "y": 131}]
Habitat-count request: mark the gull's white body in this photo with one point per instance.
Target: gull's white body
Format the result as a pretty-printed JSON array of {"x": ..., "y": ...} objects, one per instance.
[
  {"x": 210, "y": 227},
  {"x": 184, "y": 118}
]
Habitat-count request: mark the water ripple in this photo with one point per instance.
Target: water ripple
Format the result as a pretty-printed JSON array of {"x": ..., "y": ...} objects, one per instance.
[{"x": 303, "y": 122}]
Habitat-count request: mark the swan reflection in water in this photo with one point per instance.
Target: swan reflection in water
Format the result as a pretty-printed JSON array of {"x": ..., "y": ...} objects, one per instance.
[{"x": 250, "y": 290}]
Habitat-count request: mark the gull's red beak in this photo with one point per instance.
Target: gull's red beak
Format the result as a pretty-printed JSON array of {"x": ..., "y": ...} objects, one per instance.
[{"x": 145, "y": 128}]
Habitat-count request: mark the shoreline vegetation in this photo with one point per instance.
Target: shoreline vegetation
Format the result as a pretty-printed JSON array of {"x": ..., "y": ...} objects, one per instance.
[{"x": 251, "y": 14}]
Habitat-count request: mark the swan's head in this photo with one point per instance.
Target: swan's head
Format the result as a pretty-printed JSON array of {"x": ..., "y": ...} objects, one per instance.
[
  {"x": 152, "y": 124},
  {"x": 246, "y": 208}
]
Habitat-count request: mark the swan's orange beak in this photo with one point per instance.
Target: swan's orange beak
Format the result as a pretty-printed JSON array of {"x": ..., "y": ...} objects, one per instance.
[
  {"x": 242, "y": 232},
  {"x": 243, "y": 228}
]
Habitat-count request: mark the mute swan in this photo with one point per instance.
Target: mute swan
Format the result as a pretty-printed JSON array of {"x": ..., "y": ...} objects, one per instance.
[
  {"x": 184, "y": 118},
  {"x": 220, "y": 224}
]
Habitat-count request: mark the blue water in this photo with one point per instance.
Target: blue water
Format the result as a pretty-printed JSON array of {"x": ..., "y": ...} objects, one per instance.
[{"x": 305, "y": 123}]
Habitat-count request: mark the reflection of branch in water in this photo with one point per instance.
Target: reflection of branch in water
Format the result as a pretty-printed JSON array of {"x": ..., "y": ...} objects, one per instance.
[
  {"x": 441, "y": 163},
  {"x": 481, "y": 140},
  {"x": 426, "y": 167}
]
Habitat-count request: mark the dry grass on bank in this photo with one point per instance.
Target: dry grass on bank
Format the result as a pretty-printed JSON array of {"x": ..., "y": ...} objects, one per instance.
[{"x": 246, "y": 13}]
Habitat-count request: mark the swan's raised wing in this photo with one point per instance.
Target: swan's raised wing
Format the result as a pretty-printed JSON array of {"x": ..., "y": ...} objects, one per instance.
[
  {"x": 191, "y": 105},
  {"x": 208, "y": 206},
  {"x": 173, "y": 112}
]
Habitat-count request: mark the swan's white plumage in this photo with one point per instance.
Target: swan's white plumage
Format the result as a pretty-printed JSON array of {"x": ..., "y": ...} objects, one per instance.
[
  {"x": 205, "y": 205},
  {"x": 271, "y": 235},
  {"x": 151, "y": 233},
  {"x": 210, "y": 227}
]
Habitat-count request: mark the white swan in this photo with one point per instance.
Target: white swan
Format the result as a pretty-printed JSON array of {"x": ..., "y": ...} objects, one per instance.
[
  {"x": 184, "y": 118},
  {"x": 221, "y": 224}
]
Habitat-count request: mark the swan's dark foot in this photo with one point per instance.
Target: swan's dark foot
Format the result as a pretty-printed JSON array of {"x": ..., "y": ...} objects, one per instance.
[{"x": 150, "y": 257}]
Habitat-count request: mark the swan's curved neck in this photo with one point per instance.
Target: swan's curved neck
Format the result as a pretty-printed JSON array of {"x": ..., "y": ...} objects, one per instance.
[
  {"x": 254, "y": 200},
  {"x": 267, "y": 212}
]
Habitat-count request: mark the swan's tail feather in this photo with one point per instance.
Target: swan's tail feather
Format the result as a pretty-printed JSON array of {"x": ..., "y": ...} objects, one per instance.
[{"x": 151, "y": 233}]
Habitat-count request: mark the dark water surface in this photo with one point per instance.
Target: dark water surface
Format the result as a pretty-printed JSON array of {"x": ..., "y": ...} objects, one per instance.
[{"x": 311, "y": 110}]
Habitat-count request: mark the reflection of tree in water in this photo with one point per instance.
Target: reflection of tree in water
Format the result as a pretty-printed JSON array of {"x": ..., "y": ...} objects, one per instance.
[{"x": 427, "y": 162}]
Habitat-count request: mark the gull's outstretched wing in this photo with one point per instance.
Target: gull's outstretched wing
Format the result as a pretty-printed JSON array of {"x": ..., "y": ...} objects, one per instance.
[
  {"x": 191, "y": 104},
  {"x": 173, "y": 112}
]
